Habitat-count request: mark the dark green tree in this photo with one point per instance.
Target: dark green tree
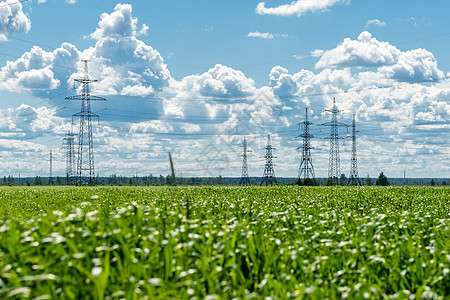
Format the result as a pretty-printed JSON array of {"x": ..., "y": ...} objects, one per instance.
[
  {"x": 432, "y": 182},
  {"x": 343, "y": 180},
  {"x": 382, "y": 180},
  {"x": 369, "y": 181}
]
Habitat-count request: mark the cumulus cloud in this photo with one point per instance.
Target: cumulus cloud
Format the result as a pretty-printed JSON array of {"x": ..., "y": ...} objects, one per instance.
[
  {"x": 39, "y": 70},
  {"x": 123, "y": 64},
  {"x": 366, "y": 51},
  {"x": 375, "y": 22},
  {"x": 218, "y": 81},
  {"x": 414, "y": 65},
  {"x": 298, "y": 8},
  {"x": 262, "y": 35},
  {"x": 12, "y": 19},
  {"x": 119, "y": 23},
  {"x": 30, "y": 120}
]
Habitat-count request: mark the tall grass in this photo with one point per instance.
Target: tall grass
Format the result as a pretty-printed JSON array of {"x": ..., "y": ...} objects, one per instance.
[{"x": 219, "y": 242}]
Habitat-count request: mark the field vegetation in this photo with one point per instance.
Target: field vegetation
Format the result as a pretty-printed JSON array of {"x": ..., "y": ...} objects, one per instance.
[{"x": 225, "y": 242}]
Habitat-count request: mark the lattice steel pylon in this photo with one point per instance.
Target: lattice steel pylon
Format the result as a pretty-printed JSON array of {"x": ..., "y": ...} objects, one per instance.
[
  {"x": 51, "y": 157},
  {"x": 269, "y": 174},
  {"x": 334, "y": 168},
  {"x": 85, "y": 155},
  {"x": 69, "y": 143},
  {"x": 306, "y": 168},
  {"x": 354, "y": 178},
  {"x": 244, "y": 177}
]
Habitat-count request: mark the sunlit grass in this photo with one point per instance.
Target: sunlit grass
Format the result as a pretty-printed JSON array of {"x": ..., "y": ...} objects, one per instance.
[{"x": 180, "y": 242}]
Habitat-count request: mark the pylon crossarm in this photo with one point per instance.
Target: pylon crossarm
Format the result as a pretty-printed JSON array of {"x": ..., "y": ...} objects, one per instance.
[{"x": 84, "y": 97}]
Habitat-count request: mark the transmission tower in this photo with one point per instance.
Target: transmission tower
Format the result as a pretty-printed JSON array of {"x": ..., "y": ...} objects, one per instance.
[
  {"x": 85, "y": 159},
  {"x": 306, "y": 168},
  {"x": 334, "y": 168},
  {"x": 69, "y": 143},
  {"x": 354, "y": 178},
  {"x": 51, "y": 167},
  {"x": 269, "y": 174},
  {"x": 244, "y": 178}
]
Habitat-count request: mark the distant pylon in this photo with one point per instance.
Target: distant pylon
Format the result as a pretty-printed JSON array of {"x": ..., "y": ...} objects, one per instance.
[
  {"x": 306, "y": 168},
  {"x": 269, "y": 174},
  {"x": 69, "y": 143},
  {"x": 244, "y": 177},
  {"x": 85, "y": 159},
  {"x": 354, "y": 178},
  {"x": 51, "y": 167},
  {"x": 334, "y": 168}
]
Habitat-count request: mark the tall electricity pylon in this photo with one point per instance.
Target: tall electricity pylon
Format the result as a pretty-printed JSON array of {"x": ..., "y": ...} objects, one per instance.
[
  {"x": 306, "y": 168},
  {"x": 244, "y": 177},
  {"x": 334, "y": 168},
  {"x": 269, "y": 174},
  {"x": 69, "y": 143},
  {"x": 85, "y": 159},
  {"x": 51, "y": 157},
  {"x": 354, "y": 178}
]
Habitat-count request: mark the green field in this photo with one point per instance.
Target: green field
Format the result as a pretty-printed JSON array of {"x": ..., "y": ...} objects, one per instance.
[{"x": 225, "y": 242}]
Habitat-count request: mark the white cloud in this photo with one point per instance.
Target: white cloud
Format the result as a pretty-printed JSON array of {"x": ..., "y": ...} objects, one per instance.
[
  {"x": 218, "y": 81},
  {"x": 39, "y": 70},
  {"x": 118, "y": 23},
  {"x": 414, "y": 65},
  {"x": 123, "y": 63},
  {"x": 151, "y": 126},
  {"x": 191, "y": 128},
  {"x": 375, "y": 22},
  {"x": 366, "y": 51},
  {"x": 12, "y": 19},
  {"x": 71, "y": 1},
  {"x": 262, "y": 35},
  {"x": 298, "y": 8}
]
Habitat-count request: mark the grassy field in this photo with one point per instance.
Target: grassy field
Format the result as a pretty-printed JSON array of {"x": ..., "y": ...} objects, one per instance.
[{"x": 225, "y": 242}]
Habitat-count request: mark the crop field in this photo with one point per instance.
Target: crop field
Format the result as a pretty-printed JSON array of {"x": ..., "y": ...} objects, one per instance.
[{"x": 225, "y": 242}]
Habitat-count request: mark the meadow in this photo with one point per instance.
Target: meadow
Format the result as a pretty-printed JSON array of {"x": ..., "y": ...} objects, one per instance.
[{"x": 225, "y": 242}]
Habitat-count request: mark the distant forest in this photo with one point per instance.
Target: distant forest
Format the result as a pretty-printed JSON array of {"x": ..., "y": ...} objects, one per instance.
[{"x": 160, "y": 180}]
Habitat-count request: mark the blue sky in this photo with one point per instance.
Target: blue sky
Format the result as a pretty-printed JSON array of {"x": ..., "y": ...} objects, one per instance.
[{"x": 194, "y": 77}]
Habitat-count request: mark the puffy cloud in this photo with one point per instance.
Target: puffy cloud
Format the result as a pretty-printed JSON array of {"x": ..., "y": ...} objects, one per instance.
[
  {"x": 414, "y": 65},
  {"x": 191, "y": 128},
  {"x": 151, "y": 126},
  {"x": 219, "y": 81},
  {"x": 262, "y": 35},
  {"x": 375, "y": 22},
  {"x": 12, "y": 19},
  {"x": 366, "y": 51},
  {"x": 123, "y": 64},
  {"x": 120, "y": 23},
  {"x": 299, "y": 7},
  {"x": 39, "y": 70},
  {"x": 32, "y": 121}
]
